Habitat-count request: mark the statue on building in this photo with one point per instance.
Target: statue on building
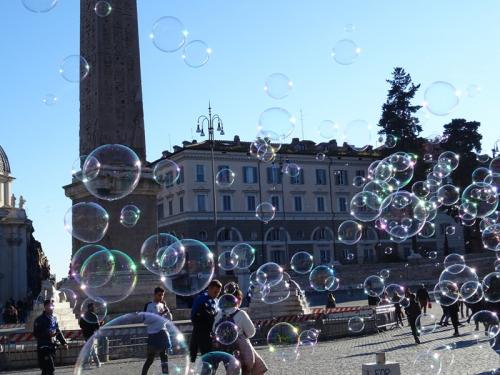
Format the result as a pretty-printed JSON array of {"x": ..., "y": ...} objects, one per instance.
[
  {"x": 22, "y": 202},
  {"x": 13, "y": 201}
]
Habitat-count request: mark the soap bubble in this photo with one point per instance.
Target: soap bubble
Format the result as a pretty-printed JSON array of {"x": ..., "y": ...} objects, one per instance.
[
  {"x": 441, "y": 98},
  {"x": 390, "y": 141},
  {"x": 471, "y": 292},
  {"x": 449, "y": 159},
  {"x": 426, "y": 323},
  {"x": 450, "y": 230},
  {"x": 365, "y": 206},
  {"x": 111, "y": 172},
  {"x": 208, "y": 364},
  {"x": 374, "y": 286},
  {"x": 269, "y": 273},
  {"x": 166, "y": 172},
  {"x": 302, "y": 262},
  {"x": 473, "y": 90},
  {"x": 282, "y": 340},
  {"x": 308, "y": 338},
  {"x": 129, "y": 215},
  {"x": 50, "y": 100},
  {"x": 225, "y": 178},
  {"x": 278, "y": 86},
  {"x": 121, "y": 283},
  {"x": 465, "y": 274},
  {"x": 244, "y": 255},
  {"x": 227, "y": 302},
  {"x": 98, "y": 269},
  {"x": 100, "y": 310},
  {"x": 448, "y": 194},
  {"x": 345, "y": 52},
  {"x": 349, "y": 232},
  {"x": 226, "y": 332},
  {"x": 356, "y": 324},
  {"x": 320, "y": 156},
  {"x": 388, "y": 250},
  {"x": 491, "y": 237},
  {"x": 292, "y": 169},
  {"x": 40, "y": 6},
  {"x": 226, "y": 261},
  {"x": 420, "y": 189},
  {"x": 454, "y": 262},
  {"x": 395, "y": 292},
  {"x": 103, "y": 8},
  {"x": 276, "y": 293},
  {"x": 265, "y": 212},
  {"x": 169, "y": 336},
  {"x": 480, "y": 174},
  {"x": 278, "y": 120},
  {"x": 483, "y": 326},
  {"x": 446, "y": 293},
  {"x": 427, "y": 364},
  {"x": 87, "y": 222},
  {"x": 483, "y": 196},
  {"x": 491, "y": 287},
  {"x": 322, "y": 278},
  {"x": 196, "y": 53},
  {"x": 79, "y": 258},
  {"x": 74, "y": 68},
  {"x": 385, "y": 273},
  {"x": 169, "y": 34},
  {"x": 197, "y": 271},
  {"x": 330, "y": 130},
  {"x": 156, "y": 258},
  {"x": 358, "y": 181}
]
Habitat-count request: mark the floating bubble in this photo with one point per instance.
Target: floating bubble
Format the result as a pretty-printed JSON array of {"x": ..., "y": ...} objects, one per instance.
[
  {"x": 302, "y": 262},
  {"x": 225, "y": 178},
  {"x": 365, "y": 206},
  {"x": 482, "y": 158},
  {"x": 473, "y": 90},
  {"x": 278, "y": 86},
  {"x": 226, "y": 261},
  {"x": 420, "y": 189},
  {"x": 87, "y": 222},
  {"x": 282, "y": 341},
  {"x": 491, "y": 237},
  {"x": 269, "y": 273},
  {"x": 449, "y": 159},
  {"x": 441, "y": 98},
  {"x": 330, "y": 130},
  {"x": 40, "y": 6},
  {"x": 322, "y": 278},
  {"x": 168, "y": 34},
  {"x": 334, "y": 283},
  {"x": 277, "y": 293},
  {"x": 426, "y": 363},
  {"x": 385, "y": 273},
  {"x": 390, "y": 141},
  {"x": 243, "y": 254},
  {"x": 74, "y": 68},
  {"x": 480, "y": 174},
  {"x": 197, "y": 271},
  {"x": 320, "y": 156},
  {"x": 308, "y": 338},
  {"x": 467, "y": 211},
  {"x": 166, "y": 172},
  {"x": 227, "y": 302},
  {"x": 471, "y": 292},
  {"x": 196, "y": 53},
  {"x": 98, "y": 313},
  {"x": 350, "y": 257},
  {"x": 111, "y": 172},
  {"x": 50, "y": 100},
  {"x": 121, "y": 283},
  {"x": 265, "y": 212},
  {"x": 483, "y": 326},
  {"x": 465, "y": 274},
  {"x": 448, "y": 194},
  {"x": 428, "y": 230},
  {"x": 103, "y": 8},
  {"x": 231, "y": 287},
  {"x": 98, "y": 269},
  {"x": 350, "y": 232},
  {"x": 226, "y": 333},
  {"x": 359, "y": 135},
  {"x": 358, "y": 181},
  {"x": 356, "y": 324},
  {"x": 432, "y": 254},
  {"x": 153, "y": 250},
  {"x": 426, "y": 323},
  {"x": 491, "y": 287},
  {"x": 345, "y": 52},
  {"x": 292, "y": 169},
  {"x": 388, "y": 250},
  {"x": 278, "y": 120},
  {"x": 79, "y": 258},
  {"x": 483, "y": 196},
  {"x": 495, "y": 163},
  {"x": 446, "y": 293},
  {"x": 450, "y": 230},
  {"x": 208, "y": 363},
  {"x": 395, "y": 292},
  {"x": 129, "y": 215},
  {"x": 374, "y": 286}
]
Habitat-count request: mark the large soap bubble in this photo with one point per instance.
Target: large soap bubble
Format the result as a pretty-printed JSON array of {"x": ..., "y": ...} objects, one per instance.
[
  {"x": 129, "y": 215},
  {"x": 197, "y": 271},
  {"x": 278, "y": 120},
  {"x": 166, "y": 172},
  {"x": 40, "y": 6},
  {"x": 269, "y": 273},
  {"x": 156, "y": 258},
  {"x": 79, "y": 258},
  {"x": 302, "y": 262},
  {"x": 366, "y": 206},
  {"x": 345, "y": 52},
  {"x": 98, "y": 269},
  {"x": 441, "y": 98},
  {"x": 278, "y": 86},
  {"x": 483, "y": 196},
  {"x": 374, "y": 286},
  {"x": 283, "y": 340},
  {"x": 87, "y": 222},
  {"x": 491, "y": 237},
  {"x": 322, "y": 278},
  {"x": 491, "y": 287},
  {"x": 350, "y": 232},
  {"x": 168, "y": 34},
  {"x": 244, "y": 255},
  {"x": 74, "y": 68},
  {"x": 111, "y": 172},
  {"x": 196, "y": 53}
]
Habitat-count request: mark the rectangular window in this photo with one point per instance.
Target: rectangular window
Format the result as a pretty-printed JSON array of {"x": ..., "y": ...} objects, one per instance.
[
  {"x": 170, "y": 208},
  {"x": 320, "y": 204},
  {"x": 320, "y": 176},
  {"x": 297, "y": 203},
  {"x": 360, "y": 173},
  {"x": 342, "y": 204},
  {"x": 324, "y": 256},
  {"x": 274, "y": 176},
  {"x": 276, "y": 256},
  {"x": 250, "y": 175},
  {"x": 200, "y": 173},
  {"x": 226, "y": 203},
  {"x": 299, "y": 179},
  {"x": 275, "y": 201},
  {"x": 250, "y": 202},
  {"x": 341, "y": 177},
  {"x": 346, "y": 252},
  {"x": 161, "y": 211},
  {"x": 201, "y": 200},
  {"x": 180, "y": 180},
  {"x": 181, "y": 204}
]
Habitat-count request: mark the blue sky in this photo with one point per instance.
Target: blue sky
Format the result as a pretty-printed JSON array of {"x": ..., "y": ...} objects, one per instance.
[{"x": 454, "y": 41}]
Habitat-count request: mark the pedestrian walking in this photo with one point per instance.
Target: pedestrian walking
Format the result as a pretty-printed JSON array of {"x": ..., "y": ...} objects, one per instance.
[
  {"x": 398, "y": 311},
  {"x": 423, "y": 297},
  {"x": 202, "y": 316},
  {"x": 89, "y": 323},
  {"x": 453, "y": 310},
  {"x": 445, "y": 317},
  {"x": 47, "y": 333},
  {"x": 412, "y": 312},
  {"x": 158, "y": 340},
  {"x": 331, "y": 303}
]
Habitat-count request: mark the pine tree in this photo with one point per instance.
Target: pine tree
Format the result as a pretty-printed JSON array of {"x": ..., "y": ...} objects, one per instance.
[{"x": 398, "y": 114}]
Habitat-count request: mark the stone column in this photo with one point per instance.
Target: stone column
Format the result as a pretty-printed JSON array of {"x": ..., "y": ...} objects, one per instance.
[{"x": 2, "y": 192}]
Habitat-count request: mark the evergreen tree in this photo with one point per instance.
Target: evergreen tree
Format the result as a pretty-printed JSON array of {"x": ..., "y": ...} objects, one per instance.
[{"x": 398, "y": 113}]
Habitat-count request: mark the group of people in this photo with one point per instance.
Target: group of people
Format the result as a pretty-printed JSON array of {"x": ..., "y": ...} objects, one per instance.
[{"x": 14, "y": 313}]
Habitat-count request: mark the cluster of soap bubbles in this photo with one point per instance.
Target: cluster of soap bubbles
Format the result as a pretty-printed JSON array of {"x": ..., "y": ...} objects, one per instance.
[
  {"x": 241, "y": 256},
  {"x": 169, "y": 35},
  {"x": 286, "y": 342}
]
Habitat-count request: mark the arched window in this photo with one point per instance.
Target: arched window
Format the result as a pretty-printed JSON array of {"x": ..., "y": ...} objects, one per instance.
[
  {"x": 322, "y": 234},
  {"x": 229, "y": 235},
  {"x": 276, "y": 235}
]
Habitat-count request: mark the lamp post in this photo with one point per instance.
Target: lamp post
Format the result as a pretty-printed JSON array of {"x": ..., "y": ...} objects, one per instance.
[{"x": 208, "y": 122}]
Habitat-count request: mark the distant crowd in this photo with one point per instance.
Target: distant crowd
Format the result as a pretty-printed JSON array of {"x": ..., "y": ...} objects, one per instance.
[{"x": 15, "y": 312}]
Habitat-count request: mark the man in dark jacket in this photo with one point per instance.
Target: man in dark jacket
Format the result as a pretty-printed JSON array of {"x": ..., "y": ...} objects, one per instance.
[
  {"x": 202, "y": 316},
  {"x": 423, "y": 297},
  {"x": 89, "y": 323},
  {"x": 46, "y": 330},
  {"x": 453, "y": 313},
  {"x": 412, "y": 312}
]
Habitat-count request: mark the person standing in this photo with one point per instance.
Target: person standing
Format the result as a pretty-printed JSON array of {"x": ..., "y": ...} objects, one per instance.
[
  {"x": 453, "y": 313},
  {"x": 423, "y": 297},
  {"x": 412, "y": 312},
  {"x": 89, "y": 323},
  {"x": 397, "y": 310},
  {"x": 47, "y": 333},
  {"x": 331, "y": 303},
  {"x": 202, "y": 316},
  {"x": 158, "y": 340}
]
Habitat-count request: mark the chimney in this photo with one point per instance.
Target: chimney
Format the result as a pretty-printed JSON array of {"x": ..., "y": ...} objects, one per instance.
[
  {"x": 237, "y": 139},
  {"x": 177, "y": 148}
]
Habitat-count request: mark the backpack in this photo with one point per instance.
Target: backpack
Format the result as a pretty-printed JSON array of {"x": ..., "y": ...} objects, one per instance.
[{"x": 231, "y": 348}]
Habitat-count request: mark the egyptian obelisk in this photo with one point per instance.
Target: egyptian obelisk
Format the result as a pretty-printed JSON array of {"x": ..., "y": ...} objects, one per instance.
[{"x": 111, "y": 111}]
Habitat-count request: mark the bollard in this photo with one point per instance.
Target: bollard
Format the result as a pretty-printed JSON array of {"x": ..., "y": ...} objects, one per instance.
[
  {"x": 381, "y": 366},
  {"x": 380, "y": 358},
  {"x": 103, "y": 345}
]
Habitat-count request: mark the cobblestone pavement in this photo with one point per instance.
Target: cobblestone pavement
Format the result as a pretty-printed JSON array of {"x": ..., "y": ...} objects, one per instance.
[{"x": 346, "y": 355}]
